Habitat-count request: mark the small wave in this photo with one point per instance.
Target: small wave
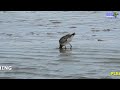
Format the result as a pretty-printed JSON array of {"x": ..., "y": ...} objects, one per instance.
[
  {"x": 8, "y": 77},
  {"x": 73, "y": 27}
]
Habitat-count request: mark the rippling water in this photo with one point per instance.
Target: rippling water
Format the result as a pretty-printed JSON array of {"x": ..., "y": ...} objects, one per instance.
[{"x": 29, "y": 43}]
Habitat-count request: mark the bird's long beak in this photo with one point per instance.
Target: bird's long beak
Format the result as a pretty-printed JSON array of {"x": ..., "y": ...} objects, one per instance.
[{"x": 60, "y": 47}]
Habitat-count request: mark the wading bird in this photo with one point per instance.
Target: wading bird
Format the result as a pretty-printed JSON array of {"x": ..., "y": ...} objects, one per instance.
[{"x": 66, "y": 40}]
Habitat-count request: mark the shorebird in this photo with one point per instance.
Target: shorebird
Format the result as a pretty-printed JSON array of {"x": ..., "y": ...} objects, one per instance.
[{"x": 66, "y": 40}]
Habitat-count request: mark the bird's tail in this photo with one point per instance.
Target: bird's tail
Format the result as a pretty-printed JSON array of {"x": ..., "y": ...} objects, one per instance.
[{"x": 73, "y": 34}]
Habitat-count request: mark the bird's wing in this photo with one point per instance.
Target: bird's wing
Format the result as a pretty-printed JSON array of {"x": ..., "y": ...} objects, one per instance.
[{"x": 63, "y": 40}]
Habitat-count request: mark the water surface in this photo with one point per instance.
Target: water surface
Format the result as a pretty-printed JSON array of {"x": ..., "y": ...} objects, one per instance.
[{"x": 29, "y": 43}]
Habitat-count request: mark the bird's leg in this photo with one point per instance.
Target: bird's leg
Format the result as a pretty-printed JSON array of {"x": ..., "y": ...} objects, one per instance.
[{"x": 70, "y": 45}]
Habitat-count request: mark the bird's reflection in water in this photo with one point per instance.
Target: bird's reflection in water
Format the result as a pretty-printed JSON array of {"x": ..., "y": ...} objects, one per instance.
[
  {"x": 65, "y": 53},
  {"x": 65, "y": 50}
]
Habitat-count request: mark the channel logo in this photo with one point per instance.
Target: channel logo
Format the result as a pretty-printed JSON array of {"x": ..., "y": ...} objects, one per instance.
[
  {"x": 5, "y": 68},
  {"x": 112, "y": 14},
  {"x": 115, "y": 73}
]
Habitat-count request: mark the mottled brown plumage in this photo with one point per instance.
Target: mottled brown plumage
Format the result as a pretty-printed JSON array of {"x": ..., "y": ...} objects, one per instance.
[{"x": 66, "y": 40}]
